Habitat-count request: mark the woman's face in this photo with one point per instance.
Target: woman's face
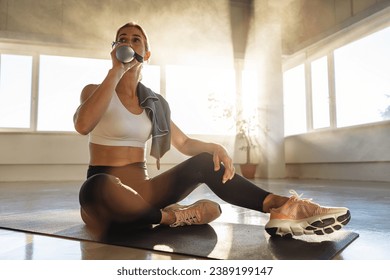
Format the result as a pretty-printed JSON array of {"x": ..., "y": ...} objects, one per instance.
[{"x": 133, "y": 37}]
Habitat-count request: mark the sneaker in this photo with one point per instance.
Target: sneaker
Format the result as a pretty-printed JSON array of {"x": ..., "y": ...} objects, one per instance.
[
  {"x": 201, "y": 212},
  {"x": 301, "y": 216}
]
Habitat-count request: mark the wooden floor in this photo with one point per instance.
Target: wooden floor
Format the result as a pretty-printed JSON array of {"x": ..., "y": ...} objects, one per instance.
[{"x": 369, "y": 203}]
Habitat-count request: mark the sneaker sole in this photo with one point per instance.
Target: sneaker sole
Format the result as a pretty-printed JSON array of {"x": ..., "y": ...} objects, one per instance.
[{"x": 319, "y": 225}]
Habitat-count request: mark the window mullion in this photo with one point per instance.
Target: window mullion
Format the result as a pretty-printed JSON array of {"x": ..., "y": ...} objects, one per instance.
[
  {"x": 34, "y": 93},
  {"x": 309, "y": 99},
  {"x": 163, "y": 84},
  {"x": 332, "y": 91}
]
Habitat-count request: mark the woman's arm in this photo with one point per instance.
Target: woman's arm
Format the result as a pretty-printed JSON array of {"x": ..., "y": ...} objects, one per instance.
[
  {"x": 192, "y": 147},
  {"x": 95, "y": 99}
]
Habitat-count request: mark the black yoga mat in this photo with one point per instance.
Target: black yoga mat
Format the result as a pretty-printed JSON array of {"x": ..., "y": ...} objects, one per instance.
[{"x": 215, "y": 241}]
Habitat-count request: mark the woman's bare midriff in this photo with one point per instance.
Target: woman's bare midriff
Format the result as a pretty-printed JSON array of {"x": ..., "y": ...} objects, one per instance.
[{"x": 115, "y": 155}]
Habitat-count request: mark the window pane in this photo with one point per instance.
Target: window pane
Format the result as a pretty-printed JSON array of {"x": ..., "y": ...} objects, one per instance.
[
  {"x": 362, "y": 71},
  {"x": 61, "y": 82},
  {"x": 294, "y": 100},
  {"x": 250, "y": 104},
  {"x": 151, "y": 77},
  {"x": 320, "y": 93},
  {"x": 250, "y": 93},
  {"x": 15, "y": 91},
  {"x": 199, "y": 98}
]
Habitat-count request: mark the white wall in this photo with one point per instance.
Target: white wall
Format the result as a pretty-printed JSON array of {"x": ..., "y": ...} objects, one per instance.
[
  {"x": 39, "y": 156},
  {"x": 354, "y": 153}
]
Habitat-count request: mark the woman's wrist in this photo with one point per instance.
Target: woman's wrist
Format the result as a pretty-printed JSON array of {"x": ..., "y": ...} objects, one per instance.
[
  {"x": 214, "y": 148},
  {"x": 115, "y": 73}
]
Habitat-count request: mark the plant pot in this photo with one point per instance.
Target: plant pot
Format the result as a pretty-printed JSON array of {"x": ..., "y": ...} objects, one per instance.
[{"x": 248, "y": 170}]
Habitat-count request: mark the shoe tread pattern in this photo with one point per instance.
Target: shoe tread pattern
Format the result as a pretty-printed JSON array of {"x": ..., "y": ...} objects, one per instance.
[{"x": 320, "y": 227}]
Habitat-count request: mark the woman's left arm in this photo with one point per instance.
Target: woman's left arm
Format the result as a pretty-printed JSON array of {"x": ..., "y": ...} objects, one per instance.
[{"x": 192, "y": 147}]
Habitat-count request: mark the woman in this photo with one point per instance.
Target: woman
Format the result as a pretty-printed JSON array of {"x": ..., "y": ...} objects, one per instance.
[{"x": 120, "y": 115}]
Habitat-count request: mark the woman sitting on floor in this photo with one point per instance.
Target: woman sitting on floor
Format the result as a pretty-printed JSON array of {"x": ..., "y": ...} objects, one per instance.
[{"x": 120, "y": 115}]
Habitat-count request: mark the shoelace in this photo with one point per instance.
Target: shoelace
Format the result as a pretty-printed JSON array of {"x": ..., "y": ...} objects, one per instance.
[
  {"x": 299, "y": 197},
  {"x": 185, "y": 217}
]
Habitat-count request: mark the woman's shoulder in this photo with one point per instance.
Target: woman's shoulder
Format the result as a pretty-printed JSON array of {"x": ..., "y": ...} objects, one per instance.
[
  {"x": 90, "y": 87},
  {"x": 88, "y": 90}
]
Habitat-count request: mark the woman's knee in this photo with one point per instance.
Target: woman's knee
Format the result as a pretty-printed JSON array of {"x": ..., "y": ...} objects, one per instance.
[
  {"x": 93, "y": 188},
  {"x": 105, "y": 197},
  {"x": 205, "y": 162},
  {"x": 90, "y": 199},
  {"x": 204, "y": 159}
]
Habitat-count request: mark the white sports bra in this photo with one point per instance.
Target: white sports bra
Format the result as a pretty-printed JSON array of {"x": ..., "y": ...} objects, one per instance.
[{"x": 119, "y": 127}]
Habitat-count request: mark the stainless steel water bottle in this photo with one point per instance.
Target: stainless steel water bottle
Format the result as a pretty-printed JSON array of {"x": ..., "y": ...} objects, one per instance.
[{"x": 124, "y": 54}]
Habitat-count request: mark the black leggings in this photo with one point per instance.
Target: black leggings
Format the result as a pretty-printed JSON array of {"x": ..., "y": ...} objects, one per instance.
[{"x": 139, "y": 199}]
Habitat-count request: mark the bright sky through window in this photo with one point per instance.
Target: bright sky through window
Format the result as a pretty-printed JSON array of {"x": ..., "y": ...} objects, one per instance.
[
  {"x": 362, "y": 78},
  {"x": 15, "y": 91}
]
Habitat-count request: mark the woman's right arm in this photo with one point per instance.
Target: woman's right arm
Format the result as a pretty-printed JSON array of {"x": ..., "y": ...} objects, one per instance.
[{"x": 94, "y": 101}]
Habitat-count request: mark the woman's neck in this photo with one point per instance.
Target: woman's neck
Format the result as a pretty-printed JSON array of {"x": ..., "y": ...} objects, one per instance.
[{"x": 128, "y": 84}]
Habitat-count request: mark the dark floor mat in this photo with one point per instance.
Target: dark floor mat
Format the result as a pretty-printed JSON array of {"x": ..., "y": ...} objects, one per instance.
[{"x": 217, "y": 240}]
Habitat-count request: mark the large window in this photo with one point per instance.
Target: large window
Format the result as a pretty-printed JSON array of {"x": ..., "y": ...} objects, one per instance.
[
  {"x": 362, "y": 80},
  {"x": 294, "y": 100},
  {"x": 59, "y": 81},
  {"x": 15, "y": 91},
  {"x": 349, "y": 86},
  {"x": 250, "y": 92},
  {"x": 40, "y": 92},
  {"x": 320, "y": 93},
  {"x": 193, "y": 92}
]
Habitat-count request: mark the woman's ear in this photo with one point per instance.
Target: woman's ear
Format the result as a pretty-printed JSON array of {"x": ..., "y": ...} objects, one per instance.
[{"x": 147, "y": 56}]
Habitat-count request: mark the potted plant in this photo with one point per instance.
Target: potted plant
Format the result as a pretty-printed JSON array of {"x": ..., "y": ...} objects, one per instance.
[
  {"x": 246, "y": 141},
  {"x": 247, "y": 129}
]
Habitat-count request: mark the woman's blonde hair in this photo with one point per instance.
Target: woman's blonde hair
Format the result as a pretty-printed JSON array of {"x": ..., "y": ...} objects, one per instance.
[{"x": 133, "y": 24}]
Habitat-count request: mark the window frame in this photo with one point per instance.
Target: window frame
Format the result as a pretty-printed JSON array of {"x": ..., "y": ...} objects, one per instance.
[
  {"x": 35, "y": 50},
  {"x": 326, "y": 47},
  {"x": 34, "y": 87}
]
